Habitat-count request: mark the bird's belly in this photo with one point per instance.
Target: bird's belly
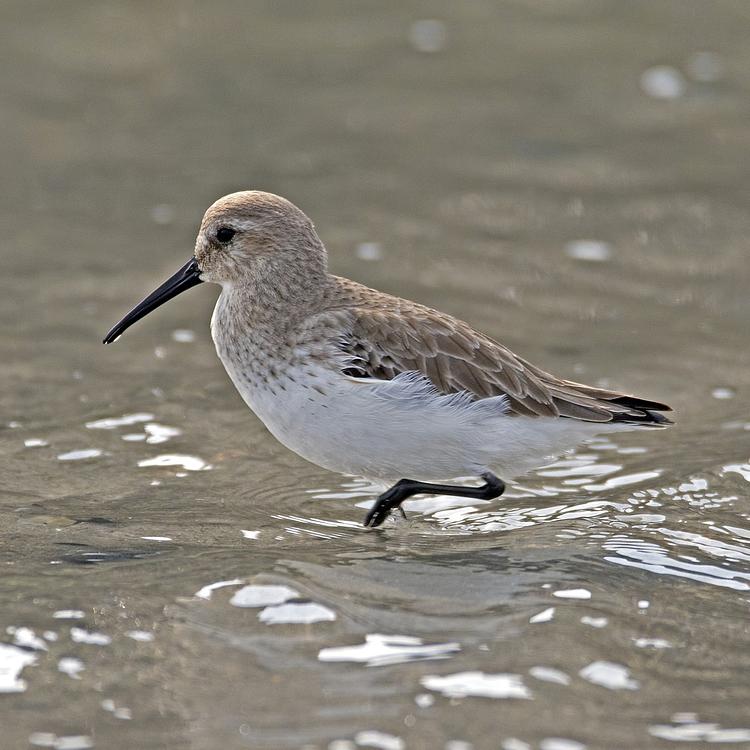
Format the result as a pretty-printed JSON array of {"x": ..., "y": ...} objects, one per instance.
[
  {"x": 324, "y": 419},
  {"x": 401, "y": 428}
]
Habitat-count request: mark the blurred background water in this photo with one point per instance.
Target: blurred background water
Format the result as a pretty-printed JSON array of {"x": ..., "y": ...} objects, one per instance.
[{"x": 571, "y": 178}]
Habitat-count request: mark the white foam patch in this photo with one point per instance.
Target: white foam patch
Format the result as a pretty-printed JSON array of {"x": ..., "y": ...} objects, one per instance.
[
  {"x": 12, "y": 662},
  {"x": 379, "y": 740},
  {"x": 189, "y": 463},
  {"x": 119, "y": 712},
  {"x": 262, "y": 596},
  {"x": 511, "y": 743},
  {"x": 595, "y": 622},
  {"x": 609, "y": 675},
  {"x": 140, "y": 635},
  {"x": 303, "y": 614},
  {"x": 42, "y": 739},
  {"x": 111, "y": 423},
  {"x": 69, "y": 614},
  {"x": 79, "y": 455},
  {"x": 546, "y": 615},
  {"x": 589, "y": 250},
  {"x": 700, "y": 732},
  {"x": 658, "y": 643},
  {"x": 206, "y": 591},
  {"x": 560, "y": 743},
  {"x": 183, "y": 336},
  {"x": 79, "y": 635},
  {"x": 35, "y": 443},
  {"x": 380, "y": 650},
  {"x": 663, "y": 82},
  {"x": 722, "y": 394},
  {"x": 26, "y": 638},
  {"x": 477, "y": 684},
  {"x": 74, "y": 742},
  {"x": 572, "y": 594},
  {"x": 160, "y": 433},
  {"x": 71, "y": 666},
  {"x": 549, "y": 674}
]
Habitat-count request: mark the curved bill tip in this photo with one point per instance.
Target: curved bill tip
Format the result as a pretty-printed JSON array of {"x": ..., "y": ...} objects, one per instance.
[{"x": 188, "y": 276}]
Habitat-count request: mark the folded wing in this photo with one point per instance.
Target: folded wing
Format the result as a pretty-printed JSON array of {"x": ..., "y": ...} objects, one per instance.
[{"x": 397, "y": 336}]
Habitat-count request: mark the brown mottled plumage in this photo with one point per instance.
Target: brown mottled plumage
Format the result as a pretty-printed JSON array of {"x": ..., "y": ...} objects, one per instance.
[
  {"x": 389, "y": 335},
  {"x": 365, "y": 383}
]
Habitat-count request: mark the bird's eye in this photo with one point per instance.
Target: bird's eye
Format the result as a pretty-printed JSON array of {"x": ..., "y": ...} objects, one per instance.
[{"x": 225, "y": 234}]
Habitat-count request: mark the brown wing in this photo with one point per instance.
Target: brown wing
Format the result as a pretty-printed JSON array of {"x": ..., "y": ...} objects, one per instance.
[{"x": 389, "y": 336}]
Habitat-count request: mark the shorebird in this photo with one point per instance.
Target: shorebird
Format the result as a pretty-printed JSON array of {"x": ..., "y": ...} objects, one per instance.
[{"x": 364, "y": 383}]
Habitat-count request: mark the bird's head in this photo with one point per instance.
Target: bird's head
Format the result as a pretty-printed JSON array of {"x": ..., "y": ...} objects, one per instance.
[{"x": 248, "y": 239}]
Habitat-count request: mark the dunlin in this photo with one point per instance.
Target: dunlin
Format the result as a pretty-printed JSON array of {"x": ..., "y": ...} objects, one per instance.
[{"x": 367, "y": 384}]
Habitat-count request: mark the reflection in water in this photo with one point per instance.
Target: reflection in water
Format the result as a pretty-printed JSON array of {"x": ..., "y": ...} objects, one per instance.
[{"x": 651, "y": 556}]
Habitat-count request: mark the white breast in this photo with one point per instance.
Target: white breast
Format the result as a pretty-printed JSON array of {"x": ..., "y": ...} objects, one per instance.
[{"x": 387, "y": 430}]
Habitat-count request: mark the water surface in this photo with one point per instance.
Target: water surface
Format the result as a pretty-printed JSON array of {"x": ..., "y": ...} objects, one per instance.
[{"x": 570, "y": 178}]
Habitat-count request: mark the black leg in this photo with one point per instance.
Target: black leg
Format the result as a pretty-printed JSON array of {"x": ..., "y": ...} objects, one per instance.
[{"x": 405, "y": 488}]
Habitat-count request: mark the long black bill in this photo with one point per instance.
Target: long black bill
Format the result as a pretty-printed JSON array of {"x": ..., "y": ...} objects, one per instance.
[{"x": 186, "y": 277}]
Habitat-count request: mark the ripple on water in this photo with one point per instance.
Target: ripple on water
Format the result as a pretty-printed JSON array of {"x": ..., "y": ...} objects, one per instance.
[{"x": 646, "y": 555}]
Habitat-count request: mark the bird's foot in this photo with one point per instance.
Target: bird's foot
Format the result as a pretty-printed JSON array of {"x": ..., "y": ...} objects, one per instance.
[{"x": 387, "y": 502}]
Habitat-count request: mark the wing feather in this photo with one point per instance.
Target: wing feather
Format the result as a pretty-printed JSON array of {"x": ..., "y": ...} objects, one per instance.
[{"x": 388, "y": 336}]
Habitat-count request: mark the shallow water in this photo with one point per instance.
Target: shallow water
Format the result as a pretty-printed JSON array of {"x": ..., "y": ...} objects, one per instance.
[{"x": 570, "y": 178}]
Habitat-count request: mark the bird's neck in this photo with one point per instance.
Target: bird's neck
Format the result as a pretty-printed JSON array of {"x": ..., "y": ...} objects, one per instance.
[{"x": 265, "y": 309}]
